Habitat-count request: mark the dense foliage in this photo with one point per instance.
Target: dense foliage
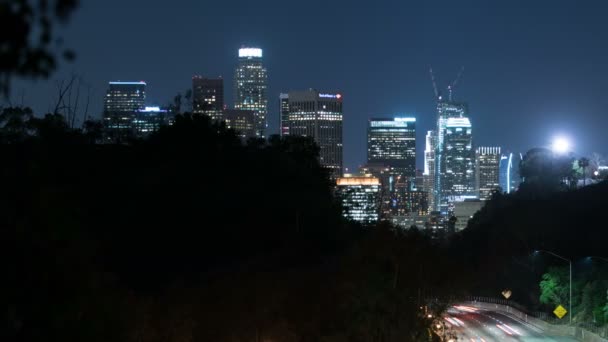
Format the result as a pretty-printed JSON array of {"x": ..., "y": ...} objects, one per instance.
[{"x": 192, "y": 235}]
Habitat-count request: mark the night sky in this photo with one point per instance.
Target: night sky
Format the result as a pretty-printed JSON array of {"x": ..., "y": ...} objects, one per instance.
[{"x": 533, "y": 69}]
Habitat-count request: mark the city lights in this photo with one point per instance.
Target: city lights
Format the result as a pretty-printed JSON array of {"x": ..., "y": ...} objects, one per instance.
[{"x": 561, "y": 145}]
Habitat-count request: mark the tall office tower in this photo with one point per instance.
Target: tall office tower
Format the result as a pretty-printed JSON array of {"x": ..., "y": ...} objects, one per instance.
[
  {"x": 509, "y": 178},
  {"x": 392, "y": 142},
  {"x": 458, "y": 181},
  {"x": 318, "y": 115},
  {"x": 360, "y": 197},
  {"x": 446, "y": 109},
  {"x": 122, "y": 102},
  {"x": 251, "y": 83},
  {"x": 208, "y": 96},
  {"x": 284, "y": 116},
  {"x": 487, "y": 170},
  {"x": 429, "y": 169}
]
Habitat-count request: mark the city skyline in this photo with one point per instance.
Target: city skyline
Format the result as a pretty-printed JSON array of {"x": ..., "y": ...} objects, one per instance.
[{"x": 501, "y": 93}]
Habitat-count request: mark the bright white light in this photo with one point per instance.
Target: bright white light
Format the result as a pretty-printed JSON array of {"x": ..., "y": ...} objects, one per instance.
[
  {"x": 250, "y": 52},
  {"x": 561, "y": 145}
]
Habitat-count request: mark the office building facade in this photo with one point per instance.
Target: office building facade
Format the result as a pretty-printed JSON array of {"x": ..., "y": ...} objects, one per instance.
[
  {"x": 122, "y": 102},
  {"x": 284, "y": 114},
  {"x": 149, "y": 120},
  {"x": 458, "y": 180},
  {"x": 251, "y": 86},
  {"x": 446, "y": 110},
  {"x": 241, "y": 121},
  {"x": 318, "y": 115},
  {"x": 429, "y": 169},
  {"x": 359, "y": 197},
  {"x": 487, "y": 170},
  {"x": 208, "y": 96},
  {"x": 392, "y": 142}
]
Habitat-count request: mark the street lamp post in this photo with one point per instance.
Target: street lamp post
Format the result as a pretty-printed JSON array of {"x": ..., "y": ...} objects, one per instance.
[{"x": 570, "y": 287}]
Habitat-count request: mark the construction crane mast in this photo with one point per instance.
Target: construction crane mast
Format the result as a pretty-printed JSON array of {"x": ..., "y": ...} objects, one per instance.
[{"x": 450, "y": 87}]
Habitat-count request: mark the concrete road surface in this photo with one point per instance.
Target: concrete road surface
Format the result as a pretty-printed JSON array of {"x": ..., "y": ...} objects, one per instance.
[{"x": 476, "y": 325}]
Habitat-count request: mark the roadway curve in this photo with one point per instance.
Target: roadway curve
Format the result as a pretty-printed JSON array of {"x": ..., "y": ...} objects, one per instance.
[{"x": 477, "y": 325}]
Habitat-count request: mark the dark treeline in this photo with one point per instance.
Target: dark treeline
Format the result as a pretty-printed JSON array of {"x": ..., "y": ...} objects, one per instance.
[{"x": 192, "y": 235}]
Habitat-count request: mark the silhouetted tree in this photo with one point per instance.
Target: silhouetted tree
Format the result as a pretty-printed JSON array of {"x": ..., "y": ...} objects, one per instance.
[{"x": 31, "y": 47}]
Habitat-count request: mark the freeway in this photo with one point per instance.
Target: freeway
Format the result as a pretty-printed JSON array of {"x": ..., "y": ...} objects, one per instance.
[{"x": 477, "y": 325}]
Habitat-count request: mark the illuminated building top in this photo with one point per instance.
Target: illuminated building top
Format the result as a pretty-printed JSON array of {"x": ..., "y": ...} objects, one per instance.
[
  {"x": 363, "y": 180},
  {"x": 250, "y": 52}
]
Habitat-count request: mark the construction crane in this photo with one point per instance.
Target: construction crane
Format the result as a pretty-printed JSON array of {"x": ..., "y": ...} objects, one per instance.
[
  {"x": 437, "y": 96},
  {"x": 450, "y": 87},
  {"x": 453, "y": 85}
]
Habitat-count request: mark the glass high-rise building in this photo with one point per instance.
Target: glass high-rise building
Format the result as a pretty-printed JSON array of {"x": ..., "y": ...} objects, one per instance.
[
  {"x": 317, "y": 115},
  {"x": 208, "y": 96},
  {"x": 446, "y": 110},
  {"x": 392, "y": 143},
  {"x": 458, "y": 181},
  {"x": 122, "y": 102},
  {"x": 251, "y": 86},
  {"x": 509, "y": 178},
  {"x": 487, "y": 160},
  {"x": 429, "y": 169},
  {"x": 360, "y": 197},
  {"x": 284, "y": 114}
]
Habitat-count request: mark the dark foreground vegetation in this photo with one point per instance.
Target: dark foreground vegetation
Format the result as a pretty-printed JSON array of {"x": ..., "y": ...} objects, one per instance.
[{"x": 192, "y": 235}]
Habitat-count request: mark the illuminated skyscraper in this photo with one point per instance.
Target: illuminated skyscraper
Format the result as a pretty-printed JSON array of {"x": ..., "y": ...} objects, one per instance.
[
  {"x": 208, "y": 96},
  {"x": 360, "y": 197},
  {"x": 317, "y": 115},
  {"x": 446, "y": 110},
  {"x": 429, "y": 169},
  {"x": 250, "y": 83},
  {"x": 392, "y": 143},
  {"x": 284, "y": 115},
  {"x": 122, "y": 102},
  {"x": 487, "y": 171},
  {"x": 509, "y": 178},
  {"x": 458, "y": 181}
]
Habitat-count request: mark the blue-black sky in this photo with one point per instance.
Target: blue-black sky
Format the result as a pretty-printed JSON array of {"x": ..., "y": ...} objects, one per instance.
[{"x": 533, "y": 68}]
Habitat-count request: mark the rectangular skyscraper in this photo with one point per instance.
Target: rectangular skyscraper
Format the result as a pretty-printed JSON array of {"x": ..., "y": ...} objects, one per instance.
[
  {"x": 429, "y": 169},
  {"x": 208, "y": 96},
  {"x": 458, "y": 181},
  {"x": 487, "y": 161},
  {"x": 250, "y": 83},
  {"x": 360, "y": 197},
  {"x": 392, "y": 143},
  {"x": 317, "y": 115},
  {"x": 446, "y": 109},
  {"x": 122, "y": 102},
  {"x": 284, "y": 115}
]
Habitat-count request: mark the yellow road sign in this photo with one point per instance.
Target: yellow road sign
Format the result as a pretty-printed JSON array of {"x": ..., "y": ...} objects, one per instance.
[{"x": 560, "y": 311}]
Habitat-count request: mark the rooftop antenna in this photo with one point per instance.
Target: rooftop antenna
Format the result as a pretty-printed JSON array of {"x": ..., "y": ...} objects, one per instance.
[{"x": 453, "y": 85}]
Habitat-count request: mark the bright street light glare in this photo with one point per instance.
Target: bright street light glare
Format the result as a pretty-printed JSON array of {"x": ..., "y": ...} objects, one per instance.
[{"x": 561, "y": 145}]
